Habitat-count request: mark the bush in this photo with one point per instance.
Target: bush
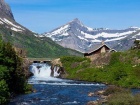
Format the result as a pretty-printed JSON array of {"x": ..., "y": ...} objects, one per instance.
[
  {"x": 12, "y": 74},
  {"x": 124, "y": 98},
  {"x": 113, "y": 89},
  {"x": 4, "y": 92},
  {"x": 120, "y": 98},
  {"x": 137, "y": 99}
]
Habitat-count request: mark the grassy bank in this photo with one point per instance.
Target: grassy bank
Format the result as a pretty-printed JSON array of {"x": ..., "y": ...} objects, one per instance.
[{"x": 123, "y": 69}]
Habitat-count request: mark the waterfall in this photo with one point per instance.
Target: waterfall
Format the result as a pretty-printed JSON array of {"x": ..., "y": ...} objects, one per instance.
[
  {"x": 43, "y": 70},
  {"x": 56, "y": 74}
]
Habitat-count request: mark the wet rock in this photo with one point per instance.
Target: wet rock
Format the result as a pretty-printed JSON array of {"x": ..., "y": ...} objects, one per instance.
[
  {"x": 91, "y": 94},
  {"x": 56, "y": 64},
  {"x": 103, "y": 98},
  {"x": 25, "y": 65},
  {"x": 100, "y": 92}
]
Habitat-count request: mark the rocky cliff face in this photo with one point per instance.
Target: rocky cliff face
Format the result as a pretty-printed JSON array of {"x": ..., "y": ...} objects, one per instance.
[
  {"x": 7, "y": 19},
  {"x": 5, "y": 10}
]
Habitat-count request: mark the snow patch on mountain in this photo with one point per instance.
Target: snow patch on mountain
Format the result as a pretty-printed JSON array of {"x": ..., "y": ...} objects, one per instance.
[
  {"x": 1, "y": 22},
  {"x": 96, "y": 41},
  {"x": 81, "y": 38},
  {"x": 119, "y": 38},
  {"x": 135, "y": 36},
  {"x": 87, "y": 35},
  {"x": 135, "y": 27},
  {"x": 12, "y": 25},
  {"x": 15, "y": 29},
  {"x": 89, "y": 29},
  {"x": 62, "y": 30}
]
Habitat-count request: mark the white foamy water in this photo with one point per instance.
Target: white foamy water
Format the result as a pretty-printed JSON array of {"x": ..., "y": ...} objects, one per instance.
[
  {"x": 75, "y": 84},
  {"x": 69, "y": 103},
  {"x": 42, "y": 73},
  {"x": 40, "y": 70}
]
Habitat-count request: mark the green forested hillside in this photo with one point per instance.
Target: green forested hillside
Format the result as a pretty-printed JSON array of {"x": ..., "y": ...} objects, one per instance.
[{"x": 35, "y": 47}]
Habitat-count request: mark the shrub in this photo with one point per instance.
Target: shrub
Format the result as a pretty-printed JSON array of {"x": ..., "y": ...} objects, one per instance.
[
  {"x": 121, "y": 98},
  {"x": 113, "y": 89},
  {"x": 4, "y": 92},
  {"x": 124, "y": 98},
  {"x": 12, "y": 74}
]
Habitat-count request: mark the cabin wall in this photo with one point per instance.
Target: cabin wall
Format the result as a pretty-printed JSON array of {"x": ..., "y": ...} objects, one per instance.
[
  {"x": 97, "y": 53},
  {"x": 103, "y": 50}
]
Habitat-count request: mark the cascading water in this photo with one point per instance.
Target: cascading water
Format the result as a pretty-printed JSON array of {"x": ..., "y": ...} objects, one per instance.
[
  {"x": 43, "y": 72},
  {"x": 56, "y": 74},
  {"x": 40, "y": 70}
]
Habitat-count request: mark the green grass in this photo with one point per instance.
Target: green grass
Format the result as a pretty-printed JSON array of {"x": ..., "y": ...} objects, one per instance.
[
  {"x": 124, "y": 98},
  {"x": 123, "y": 69},
  {"x": 121, "y": 96}
]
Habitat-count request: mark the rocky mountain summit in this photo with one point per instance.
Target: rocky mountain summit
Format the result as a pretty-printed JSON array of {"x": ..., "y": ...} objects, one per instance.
[
  {"x": 76, "y": 35},
  {"x": 7, "y": 19},
  {"x": 5, "y": 10}
]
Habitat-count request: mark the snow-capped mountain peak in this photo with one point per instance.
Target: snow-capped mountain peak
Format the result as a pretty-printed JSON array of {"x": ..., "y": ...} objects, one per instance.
[
  {"x": 76, "y": 21},
  {"x": 76, "y": 35}
]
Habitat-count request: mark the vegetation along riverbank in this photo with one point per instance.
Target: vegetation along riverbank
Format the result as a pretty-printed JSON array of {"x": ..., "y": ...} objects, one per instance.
[
  {"x": 13, "y": 74},
  {"x": 121, "y": 69},
  {"x": 117, "y": 68}
]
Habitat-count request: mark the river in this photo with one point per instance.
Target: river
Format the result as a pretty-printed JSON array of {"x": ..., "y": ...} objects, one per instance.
[{"x": 54, "y": 91}]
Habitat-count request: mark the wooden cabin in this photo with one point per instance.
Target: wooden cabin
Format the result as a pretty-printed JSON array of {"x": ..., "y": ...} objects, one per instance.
[{"x": 102, "y": 48}]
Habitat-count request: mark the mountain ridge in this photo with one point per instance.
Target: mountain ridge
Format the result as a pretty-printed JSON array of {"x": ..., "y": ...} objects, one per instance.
[
  {"x": 23, "y": 38},
  {"x": 76, "y": 35}
]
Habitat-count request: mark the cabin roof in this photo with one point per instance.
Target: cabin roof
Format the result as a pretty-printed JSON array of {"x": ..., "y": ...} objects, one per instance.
[{"x": 97, "y": 47}]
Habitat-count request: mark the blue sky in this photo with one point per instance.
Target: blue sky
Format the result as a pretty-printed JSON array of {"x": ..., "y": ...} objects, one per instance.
[{"x": 45, "y": 15}]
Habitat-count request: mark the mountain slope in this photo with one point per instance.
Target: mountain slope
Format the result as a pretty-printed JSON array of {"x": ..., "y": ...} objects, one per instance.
[
  {"x": 77, "y": 36},
  {"x": 21, "y": 37}
]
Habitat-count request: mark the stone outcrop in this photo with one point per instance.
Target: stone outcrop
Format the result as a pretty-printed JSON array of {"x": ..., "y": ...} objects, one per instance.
[
  {"x": 57, "y": 62},
  {"x": 25, "y": 65},
  {"x": 100, "y": 101},
  {"x": 57, "y": 65}
]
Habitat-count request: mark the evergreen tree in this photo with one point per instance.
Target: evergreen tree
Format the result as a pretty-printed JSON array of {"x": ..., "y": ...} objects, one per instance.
[{"x": 12, "y": 76}]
